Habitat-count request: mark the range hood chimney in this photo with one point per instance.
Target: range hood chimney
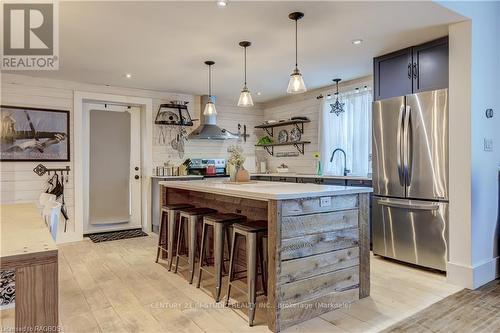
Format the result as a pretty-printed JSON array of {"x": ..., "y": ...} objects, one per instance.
[{"x": 208, "y": 129}]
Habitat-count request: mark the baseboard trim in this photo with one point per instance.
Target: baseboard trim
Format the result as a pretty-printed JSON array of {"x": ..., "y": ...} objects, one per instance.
[
  {"x": 473, "y": 277},
  {"x": 486, "y": 272}
]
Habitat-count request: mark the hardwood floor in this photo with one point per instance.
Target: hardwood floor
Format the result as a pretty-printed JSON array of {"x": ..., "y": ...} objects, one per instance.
[
  {"x": 116, "y": 287},
  {"x": 466, "y": 311}
]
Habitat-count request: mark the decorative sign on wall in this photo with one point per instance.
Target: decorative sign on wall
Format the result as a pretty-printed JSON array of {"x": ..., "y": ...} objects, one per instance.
[{"x": 32, "y": 134}]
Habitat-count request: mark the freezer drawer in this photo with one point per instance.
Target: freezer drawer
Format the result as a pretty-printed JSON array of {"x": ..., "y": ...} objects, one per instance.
[{"x": 413, "y": 231}]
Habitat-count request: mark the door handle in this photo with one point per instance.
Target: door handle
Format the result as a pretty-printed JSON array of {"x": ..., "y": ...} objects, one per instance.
[
  {"x": 407, "y": 147},
  {"x": 409, "y": 71},
  {"x": 399, "y": 145},
  {"x": 415, "y": 70},
  {"x": 419, "y": 206}
]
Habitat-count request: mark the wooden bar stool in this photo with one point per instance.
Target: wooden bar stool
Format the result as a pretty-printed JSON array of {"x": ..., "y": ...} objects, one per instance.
[
  {"x": 191, "y": 217},
  {"x": 250, "y": 230},
  {"x": 167, "y": 211},
  {"x": 220, "y": 224}
]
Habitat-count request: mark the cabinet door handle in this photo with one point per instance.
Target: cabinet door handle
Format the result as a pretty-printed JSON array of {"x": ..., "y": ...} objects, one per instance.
[
  {"x": 409, "y": 71},
  {"x": 415, "y": 70}
]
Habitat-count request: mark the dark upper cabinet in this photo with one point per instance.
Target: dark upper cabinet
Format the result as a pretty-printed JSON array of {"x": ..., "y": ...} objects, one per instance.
[
  {"x": 411, "y": 70},
  {"x": 393, "y": 74},
  {"x": 430, "y": 65}
]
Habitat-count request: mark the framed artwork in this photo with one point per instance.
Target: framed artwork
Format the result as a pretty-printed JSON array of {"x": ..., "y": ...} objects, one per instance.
[{"x": 33, "y": 134}]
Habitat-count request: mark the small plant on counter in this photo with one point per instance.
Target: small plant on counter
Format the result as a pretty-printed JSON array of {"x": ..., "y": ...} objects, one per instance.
[
  {"x": 236, "y": 157},
  {"x": 235, "y": 162},
  {"x": 317, "y": 156}
]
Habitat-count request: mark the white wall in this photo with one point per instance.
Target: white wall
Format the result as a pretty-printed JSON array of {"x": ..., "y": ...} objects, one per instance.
[
  {"x": 305, "y": 105},
  {"x": 474, "y": 58},
  {"x": 19, "y": 183}
]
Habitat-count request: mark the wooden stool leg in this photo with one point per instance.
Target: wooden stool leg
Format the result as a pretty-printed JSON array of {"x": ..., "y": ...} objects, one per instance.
[
  {"x": 218, "y": 257},
  {"x": 172, "y": 217},
  {"x": 202, "y": 252},
  {"x": 192, "y": 246},
  {"x": 160, "y": 236},
  {"x": 180, "y": 234},
  {"x": 231, "y": 266},
  {"x": 251, "y": 274}
]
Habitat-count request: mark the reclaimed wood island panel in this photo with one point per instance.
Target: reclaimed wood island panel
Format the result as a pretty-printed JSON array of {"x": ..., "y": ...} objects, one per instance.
[{"x": 318, "y": 244}]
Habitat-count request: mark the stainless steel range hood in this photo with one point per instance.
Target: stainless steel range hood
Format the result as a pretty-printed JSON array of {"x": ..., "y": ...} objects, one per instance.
[{"x": 208, "y": 129}]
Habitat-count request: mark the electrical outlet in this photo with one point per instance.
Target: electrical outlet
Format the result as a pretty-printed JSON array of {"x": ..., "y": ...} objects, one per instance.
[
  {"x": 325, "y": 201},
  {"x": 488, "y": 144}
]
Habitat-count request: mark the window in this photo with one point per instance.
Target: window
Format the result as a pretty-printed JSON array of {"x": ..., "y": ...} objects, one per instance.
[{"x": 350, "y": 131}]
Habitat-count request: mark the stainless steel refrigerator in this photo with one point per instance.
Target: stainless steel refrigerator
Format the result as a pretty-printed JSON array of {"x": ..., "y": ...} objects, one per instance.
[{"x": 410, "y": 178}]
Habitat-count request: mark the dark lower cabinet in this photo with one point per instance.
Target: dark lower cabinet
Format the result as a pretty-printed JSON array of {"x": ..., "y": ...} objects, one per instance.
[
  {"x": 361, "y": 183},
  {"x": 411, "y": 70},
  {"x": 331, "y": 181}
]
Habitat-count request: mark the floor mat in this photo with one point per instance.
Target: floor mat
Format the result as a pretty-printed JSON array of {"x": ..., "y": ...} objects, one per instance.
[
  {"x": 116, "y": 235},
  {"x": 466, "y": 311}
]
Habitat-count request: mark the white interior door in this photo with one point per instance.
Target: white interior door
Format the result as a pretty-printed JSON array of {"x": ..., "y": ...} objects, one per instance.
[{"x": 114, "y": 168}]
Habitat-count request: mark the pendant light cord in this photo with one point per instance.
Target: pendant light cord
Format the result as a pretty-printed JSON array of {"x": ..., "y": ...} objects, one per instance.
[
  {"x": 245, "y": 66},
  {"x": 210, "y": 82},
  {"x": 296, "y": 44}
]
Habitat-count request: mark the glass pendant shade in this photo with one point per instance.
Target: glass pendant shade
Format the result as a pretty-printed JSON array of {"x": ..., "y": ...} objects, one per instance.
[
  {"x": 210, "y": 109},
  {"x": 296, "y": 84},
  {"x": 245, "y": 98}
]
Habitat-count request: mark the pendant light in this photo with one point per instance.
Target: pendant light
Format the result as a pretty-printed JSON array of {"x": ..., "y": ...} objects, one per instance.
[
  {"x": 245, "y": 96},
  {"x": 210, "y": 106},
  {"x": 296, "y": 84},
  {"x": 337, "y": 107}
]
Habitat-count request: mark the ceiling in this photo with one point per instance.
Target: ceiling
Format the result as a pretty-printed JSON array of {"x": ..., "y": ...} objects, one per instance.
[{"x": 164, "y": 44}]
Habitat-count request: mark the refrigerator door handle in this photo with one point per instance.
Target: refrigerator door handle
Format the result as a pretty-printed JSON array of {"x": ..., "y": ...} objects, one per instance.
[
  {"x": 398, "y": 204},
  {"x": 399, "y": 145},
  {"x": 407, "y": 147}
]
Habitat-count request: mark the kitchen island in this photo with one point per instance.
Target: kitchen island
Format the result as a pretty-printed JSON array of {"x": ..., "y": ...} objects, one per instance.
[
  {"x": 318, "y": 245},
  {"x": 27, "y": 249}
]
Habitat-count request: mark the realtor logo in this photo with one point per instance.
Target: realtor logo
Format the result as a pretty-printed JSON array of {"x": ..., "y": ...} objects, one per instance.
[{"x": 30, "y": 36}]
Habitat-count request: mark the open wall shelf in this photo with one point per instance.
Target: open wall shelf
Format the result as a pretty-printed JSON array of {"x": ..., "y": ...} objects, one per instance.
[
  {"x": 298, "y": 123},
  {"x": 299, "y": 145}
]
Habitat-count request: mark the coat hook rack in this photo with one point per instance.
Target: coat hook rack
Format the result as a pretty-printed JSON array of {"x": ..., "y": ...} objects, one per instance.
[{"x": 41, "y": 170}]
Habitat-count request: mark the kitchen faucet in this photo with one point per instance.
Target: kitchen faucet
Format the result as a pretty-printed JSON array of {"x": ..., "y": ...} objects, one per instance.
[{"x": 346, "y": 171}]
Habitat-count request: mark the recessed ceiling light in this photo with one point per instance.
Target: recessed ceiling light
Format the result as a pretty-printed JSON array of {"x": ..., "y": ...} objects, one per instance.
[
  {"x": 357, "y": 41},
  {"x": 222, "y": 3},
  {"x": 259, "y": 93},
  {"x": 128, "y": 75}
]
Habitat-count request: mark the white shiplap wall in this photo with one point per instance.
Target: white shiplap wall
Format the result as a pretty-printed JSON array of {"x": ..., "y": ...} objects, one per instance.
[
  {"x": 305, "y": 108},
  {"x": 304, "y": 105},
  {"x": 20, "y": 184}
]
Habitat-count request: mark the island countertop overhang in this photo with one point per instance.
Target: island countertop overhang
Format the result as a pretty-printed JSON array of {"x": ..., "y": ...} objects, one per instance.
[{"x": 263, "y": 190}]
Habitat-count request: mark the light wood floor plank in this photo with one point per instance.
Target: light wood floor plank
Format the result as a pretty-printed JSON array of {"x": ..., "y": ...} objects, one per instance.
[{"x": 117, "y": 287}]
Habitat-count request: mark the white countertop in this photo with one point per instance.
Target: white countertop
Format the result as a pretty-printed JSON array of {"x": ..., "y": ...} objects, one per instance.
[
  {"x": 301, "y": 175},
  {"x": 178, "y": 177},
  {"x": 261, "y": 190},
  {"x": 23, "y": 231}
]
